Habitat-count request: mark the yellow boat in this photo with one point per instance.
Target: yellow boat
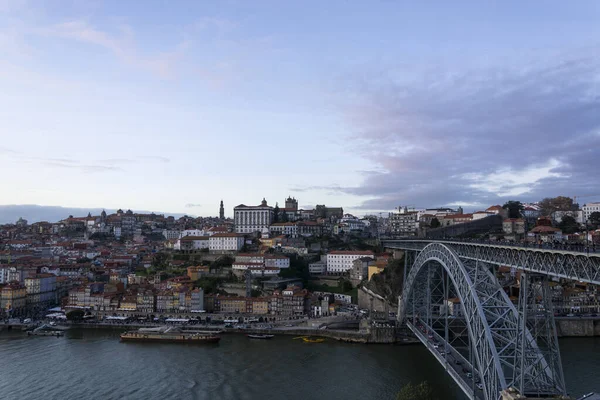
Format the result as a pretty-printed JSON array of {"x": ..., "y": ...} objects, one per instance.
[{"x": 308, "y": 339}]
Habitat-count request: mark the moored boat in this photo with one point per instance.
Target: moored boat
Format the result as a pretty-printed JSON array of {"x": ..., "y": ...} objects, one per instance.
[
  {"x": 257, "y": 336},
  {"x": 169, "y": 335}
]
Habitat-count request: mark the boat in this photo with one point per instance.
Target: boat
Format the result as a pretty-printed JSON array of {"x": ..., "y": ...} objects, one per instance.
[
  {"x": 45, "y": 333},
  {"x": 46, "y": 330},
  {"x": 308, "y": 339},
  {"x": 168, "y": 335},
  {"x": 256, "y": 336},
  {"x": 313, "y": 340}
]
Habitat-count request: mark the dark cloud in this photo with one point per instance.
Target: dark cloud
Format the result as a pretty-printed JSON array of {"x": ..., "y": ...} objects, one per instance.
[{"x": 480, "y": 137}]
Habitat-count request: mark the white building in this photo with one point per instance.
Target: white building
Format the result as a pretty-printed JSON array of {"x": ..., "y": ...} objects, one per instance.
[
  {"x": 192, "y": 243},
  {"x": 170, "y": 234},
  {"x": 226, "y": 242},
  {"x": 284, "y": 228},
  {"x": 9, "y": 274},
  {"x": 192, "y": 232},
  {"x": 317, "y": 268},
  {"x": 250, "y": 219},
  {"x": 342, "y": 261},
  {"x": 557, "y": 216},
  {"x": 277, "y": 261},
  {"x": 590, "y": 208}
]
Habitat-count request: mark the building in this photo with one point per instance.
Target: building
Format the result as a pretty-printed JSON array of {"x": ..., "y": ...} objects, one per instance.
[
  {"x": 192, "y": 243},
  {"x": 454, "y": 219},
  {"x": 277, "y": 261},
  {"x": 513, "y": 228},
  {"x": 317, "y": 268},
  {"x": 171, "y": 234},
  {"x": 251, "y": 219},
  {"x": 197, "y": 300},
  {"x": 284, "y": 228},
  {"x": 41, "y": 289},
  {"x": 221, "y": 211},
  {"x": 342, "y": 261},
  {"x": 225, "y": 242},
  {"x": 321, "y": 211},
  {"x": 403, "y": 223},
  {"x": 590, "y": 208},
  {"x": 578, "y": 215},
  {"x": 498, "y": 210},
  {"x": 13, "y": 298},
  {"x": 360, "y": 269},
  {"x": 295, "y": 301}
]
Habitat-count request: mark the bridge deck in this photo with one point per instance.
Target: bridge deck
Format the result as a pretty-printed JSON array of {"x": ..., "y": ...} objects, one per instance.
[{"x": 568, "y": 264}]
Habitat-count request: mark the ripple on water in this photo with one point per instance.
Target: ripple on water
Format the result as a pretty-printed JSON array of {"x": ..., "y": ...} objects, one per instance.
[{"x": 96, "y": 366}]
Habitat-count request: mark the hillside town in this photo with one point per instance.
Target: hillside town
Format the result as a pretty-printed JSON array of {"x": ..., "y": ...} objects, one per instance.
[{"x": 268, "y": 262}]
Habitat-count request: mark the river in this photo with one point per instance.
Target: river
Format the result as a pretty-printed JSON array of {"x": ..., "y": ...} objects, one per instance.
[{"x": 93, "y": 364}]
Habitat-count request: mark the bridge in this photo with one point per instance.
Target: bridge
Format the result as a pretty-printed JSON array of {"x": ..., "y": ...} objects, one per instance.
[{"x": 454, "y": 302}]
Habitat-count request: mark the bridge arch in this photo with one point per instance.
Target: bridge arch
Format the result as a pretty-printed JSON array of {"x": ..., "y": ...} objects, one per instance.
[{"x": 487, "y": 359}]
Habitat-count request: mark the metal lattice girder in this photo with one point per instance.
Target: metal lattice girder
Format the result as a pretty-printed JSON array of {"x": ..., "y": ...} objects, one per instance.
[
  {"x": 491, "y": 318},
  {"x": 558, "y": 263}
]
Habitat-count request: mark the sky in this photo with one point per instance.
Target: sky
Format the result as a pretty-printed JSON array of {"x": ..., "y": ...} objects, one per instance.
[{"x": 175, "y": 105}]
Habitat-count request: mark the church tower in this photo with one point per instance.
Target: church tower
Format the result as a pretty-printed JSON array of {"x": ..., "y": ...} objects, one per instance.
[{"x": 222, "y": 211}]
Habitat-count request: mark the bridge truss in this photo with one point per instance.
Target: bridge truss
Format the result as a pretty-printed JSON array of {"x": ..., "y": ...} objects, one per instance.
[
  {"x": 458, "y": 309},
  {"x": 579, "y": 266}
]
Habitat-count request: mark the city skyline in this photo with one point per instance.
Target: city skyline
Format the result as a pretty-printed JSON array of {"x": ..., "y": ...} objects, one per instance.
[{"x": 363, "y": 106}]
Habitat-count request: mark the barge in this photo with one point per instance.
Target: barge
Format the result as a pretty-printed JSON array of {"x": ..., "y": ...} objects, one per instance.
[{"x": 168, "y": 335}]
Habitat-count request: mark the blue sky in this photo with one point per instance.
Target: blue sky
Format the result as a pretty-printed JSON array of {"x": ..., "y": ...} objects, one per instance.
[{"x": 172, "y": 106}]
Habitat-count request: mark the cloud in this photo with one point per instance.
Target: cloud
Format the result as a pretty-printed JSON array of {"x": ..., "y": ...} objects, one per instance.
[
  {"x": 6, "y": 150},
  {"x": 122, "y": 45},
  {"x": 479, "y": 136},
  {"x": 192, "y": 205},
  {"x": 89, "y": 168},
  {"x": 156, "y": 158}
]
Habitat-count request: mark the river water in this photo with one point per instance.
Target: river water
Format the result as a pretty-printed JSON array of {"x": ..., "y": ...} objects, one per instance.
[{"x": 93, "y": 364}]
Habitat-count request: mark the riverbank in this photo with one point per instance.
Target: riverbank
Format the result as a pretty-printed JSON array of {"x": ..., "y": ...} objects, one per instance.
[{"x": 373, "y": 336}]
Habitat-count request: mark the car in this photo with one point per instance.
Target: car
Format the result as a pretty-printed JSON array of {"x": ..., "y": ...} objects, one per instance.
[
  {"x": 457, "y": 362},
  {"x": 435, "y": 346},
  {"x": 27, "y": 321},
  {"x": 479, "y": 386},
  {"x": 469, "y": 375}
]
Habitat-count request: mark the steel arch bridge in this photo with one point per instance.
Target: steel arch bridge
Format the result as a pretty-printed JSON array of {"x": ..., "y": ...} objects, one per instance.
[{"x": 454, "y": 303}]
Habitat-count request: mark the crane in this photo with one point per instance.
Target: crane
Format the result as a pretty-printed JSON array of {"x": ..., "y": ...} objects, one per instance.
[{"x": 587, "y": 195}]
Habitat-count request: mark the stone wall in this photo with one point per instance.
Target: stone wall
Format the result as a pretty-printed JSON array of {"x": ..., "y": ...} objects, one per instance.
[
  {"x": 379, "y": 303},
  {"x": 577, "y": 327}
]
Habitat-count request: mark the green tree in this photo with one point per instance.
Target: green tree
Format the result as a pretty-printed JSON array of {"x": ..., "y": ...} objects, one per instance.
[
  {"x": 284, "y": 217},
  {"x": 276, "y": 213},
  {"x": 514, "y": 208},
  {"x": 594, "y": 219},
  {"x": 560, "y": 203},
  {"x": 422, "y": 391},
  {"x": 435, "y": 223},
  {"x": 568, "y": 224}
]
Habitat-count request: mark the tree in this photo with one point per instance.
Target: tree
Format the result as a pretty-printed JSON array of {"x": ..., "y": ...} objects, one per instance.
[
  {"x": 284, "y": 217},
  {"x": 422, "y": 391},
  {"x": 560, "y": 203},
  {"x": 514, "y": 208},
  {"x": 594, "y": 219},
  {"x": 276, "y": 213},
  {"x": 435, "y": 223},
  {"x": 568, "y": 224}
]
